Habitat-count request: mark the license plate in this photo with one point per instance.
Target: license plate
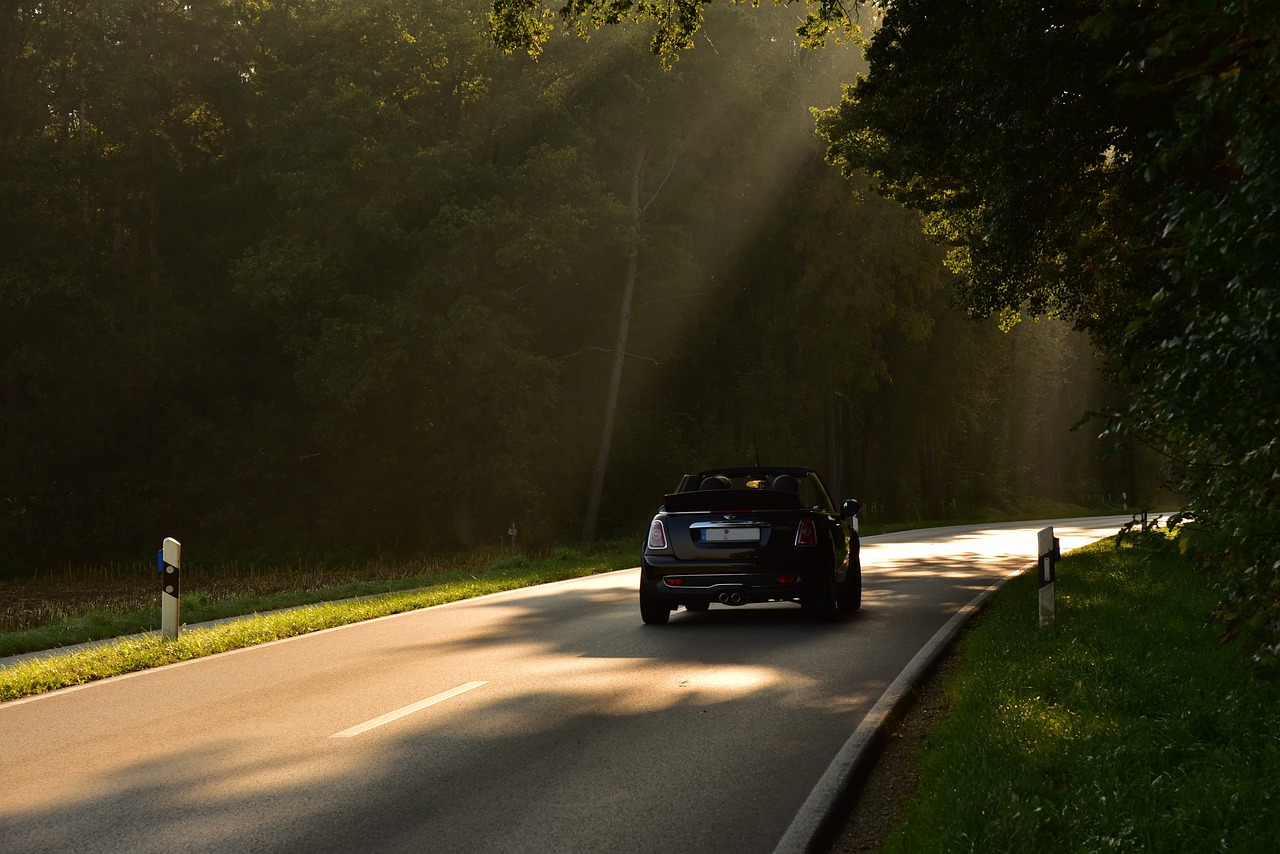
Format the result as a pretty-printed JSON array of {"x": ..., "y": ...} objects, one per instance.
[{"x": 731, "y": 535}]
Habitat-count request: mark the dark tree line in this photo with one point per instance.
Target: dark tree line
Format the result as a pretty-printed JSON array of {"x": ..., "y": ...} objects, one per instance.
[{"x": 338, "y": 277}]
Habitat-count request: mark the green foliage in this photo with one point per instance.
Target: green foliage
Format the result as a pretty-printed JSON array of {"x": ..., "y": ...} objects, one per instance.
[
  {"x": 1119, "y": 169},
  {"x": 1126, "y": 727},
  {"x": 1203, "y": 346},
  {"x": 527, "y": 25},
  {"x": 1015, "y": 156}
]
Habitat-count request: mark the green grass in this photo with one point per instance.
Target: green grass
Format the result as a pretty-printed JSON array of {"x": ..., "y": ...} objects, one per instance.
[
  {"x": 310, "y": 611},
  {"x": 80, "y": 608},
  {"x": 1127, "y": 727}
]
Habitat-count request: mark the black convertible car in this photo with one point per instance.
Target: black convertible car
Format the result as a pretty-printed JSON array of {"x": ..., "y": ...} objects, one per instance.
[{"x": 752, "y": 534}]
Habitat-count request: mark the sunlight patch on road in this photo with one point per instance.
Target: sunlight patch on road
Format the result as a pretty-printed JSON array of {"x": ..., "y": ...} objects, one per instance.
[
  {"x": 967, "y": 553},
  {"x": 730, "y": 680},
  {"x": 917, "y": 560}
]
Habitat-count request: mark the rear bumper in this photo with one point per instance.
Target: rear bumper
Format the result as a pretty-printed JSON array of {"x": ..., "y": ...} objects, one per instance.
[{"x": 678, "y": 582}]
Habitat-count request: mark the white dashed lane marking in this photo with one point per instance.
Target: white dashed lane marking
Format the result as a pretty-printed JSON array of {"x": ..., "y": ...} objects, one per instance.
[{"x": 406, "y": 710}]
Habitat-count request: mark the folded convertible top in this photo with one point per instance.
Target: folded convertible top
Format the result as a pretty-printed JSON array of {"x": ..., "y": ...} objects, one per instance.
[{"x": 731, "y": 500}]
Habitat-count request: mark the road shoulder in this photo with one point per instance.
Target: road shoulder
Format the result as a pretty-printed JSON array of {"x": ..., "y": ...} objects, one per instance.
[{"x": 880, "y": 801}]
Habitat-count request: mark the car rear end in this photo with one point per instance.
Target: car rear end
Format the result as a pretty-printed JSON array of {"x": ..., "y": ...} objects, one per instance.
[{"x": 733, "y": 546}]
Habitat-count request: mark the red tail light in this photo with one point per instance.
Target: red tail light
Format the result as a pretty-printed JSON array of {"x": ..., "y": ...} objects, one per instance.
[
  {"x": 806, "y": 534},
  {"x": 657, "y": 535}
]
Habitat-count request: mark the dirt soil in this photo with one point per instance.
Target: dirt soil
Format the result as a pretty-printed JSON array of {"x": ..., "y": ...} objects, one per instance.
[{"x": 881, "y": 801}]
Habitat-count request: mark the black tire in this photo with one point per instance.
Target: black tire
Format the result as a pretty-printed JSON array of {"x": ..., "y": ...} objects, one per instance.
[
  {"x": 652, "y": 610},
  {"x": 820, "y": 602},
  {"x": 850, "y": 599}
]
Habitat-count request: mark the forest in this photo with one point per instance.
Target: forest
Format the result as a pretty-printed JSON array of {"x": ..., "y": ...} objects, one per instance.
[{"x": 329, "y": 277}]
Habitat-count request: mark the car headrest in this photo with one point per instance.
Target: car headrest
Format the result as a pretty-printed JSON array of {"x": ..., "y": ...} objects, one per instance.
[{"x": 786, "y": 483}]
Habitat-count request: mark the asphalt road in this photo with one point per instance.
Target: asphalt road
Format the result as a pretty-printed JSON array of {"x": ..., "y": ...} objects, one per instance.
[{"x": 541, "y": 720}]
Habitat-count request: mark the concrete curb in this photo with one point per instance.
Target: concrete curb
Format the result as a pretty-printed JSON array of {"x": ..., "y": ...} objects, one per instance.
[{"x": 808, "y": 829}]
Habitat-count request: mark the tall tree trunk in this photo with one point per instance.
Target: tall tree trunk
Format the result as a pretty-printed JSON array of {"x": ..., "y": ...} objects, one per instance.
[
  {"x": 591, "y": 523},
  {"x": 833, "y": 468},
  {"x": 153, "y": 252}
]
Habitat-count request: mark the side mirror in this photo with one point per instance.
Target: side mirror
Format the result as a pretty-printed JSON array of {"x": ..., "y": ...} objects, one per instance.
[{"x": 850, "y": 508}]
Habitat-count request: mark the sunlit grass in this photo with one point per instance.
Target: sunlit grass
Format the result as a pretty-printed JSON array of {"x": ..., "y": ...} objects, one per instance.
[
  {"x": 1127, "y": 727},
  {"x": 58, "y": 670},
  {"x": 94, "y": 603}
]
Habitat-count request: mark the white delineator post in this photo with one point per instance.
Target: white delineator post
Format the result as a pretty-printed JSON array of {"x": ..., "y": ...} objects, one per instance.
[
  {"x": 1047, "y": 569},
  {"x": 170, "y": 587}
]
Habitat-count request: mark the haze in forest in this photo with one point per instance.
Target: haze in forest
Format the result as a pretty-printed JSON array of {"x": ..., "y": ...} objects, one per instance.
[{"x": 341, "y": 278}]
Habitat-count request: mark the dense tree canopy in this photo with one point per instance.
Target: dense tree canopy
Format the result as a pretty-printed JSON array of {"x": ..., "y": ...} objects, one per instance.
[
  {"x": 1120, "y": 167},
  {"x": 528, "y": 24},
  {"x": 339, "y": 277}
]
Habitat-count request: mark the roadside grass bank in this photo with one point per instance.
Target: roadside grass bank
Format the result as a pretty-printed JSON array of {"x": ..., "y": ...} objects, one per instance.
[
  {"x": 1128, "y": 726},
  {"x": 309, "y": 611},
  {"x": 95, "y": 603}
]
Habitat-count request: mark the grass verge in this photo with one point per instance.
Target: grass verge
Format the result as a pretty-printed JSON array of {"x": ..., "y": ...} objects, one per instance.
[
  {"x": 60, "y": 670},
  {"x": 1126, "y": 727}
]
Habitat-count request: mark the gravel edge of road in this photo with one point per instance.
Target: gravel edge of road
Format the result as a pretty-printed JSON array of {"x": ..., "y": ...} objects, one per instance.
[
  {"x": 832, "y": 805},
  {"x": 880, "y": 796}
]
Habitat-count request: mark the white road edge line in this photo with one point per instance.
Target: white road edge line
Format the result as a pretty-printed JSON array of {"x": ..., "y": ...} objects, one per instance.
[
  {"x": 818, "y": 807},
  {"x": 407, "y": 710}
]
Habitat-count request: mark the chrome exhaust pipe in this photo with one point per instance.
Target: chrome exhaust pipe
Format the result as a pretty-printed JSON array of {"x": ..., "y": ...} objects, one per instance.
[
  {"x": 724, "y": 598},
  {"x": 735, "y": 598}
]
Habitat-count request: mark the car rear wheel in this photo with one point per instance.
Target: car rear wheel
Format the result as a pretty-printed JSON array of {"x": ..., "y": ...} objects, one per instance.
[
  {"x": 850, "y": 599},
  {"x": 652, "y": 609},
  {"x": 820, "y": 602}
]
